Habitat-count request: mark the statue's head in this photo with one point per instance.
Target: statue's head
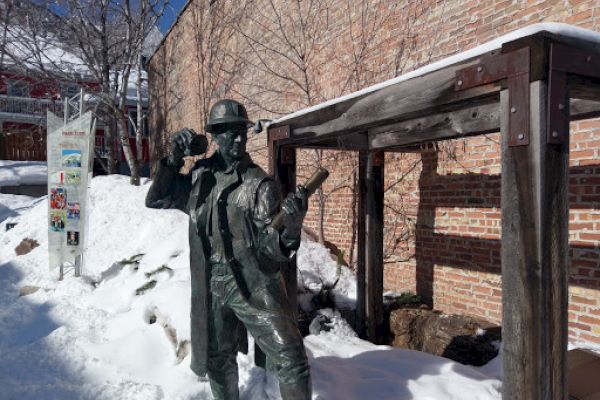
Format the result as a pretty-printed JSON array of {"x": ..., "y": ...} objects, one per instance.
[{"x": 228, "y": 123}]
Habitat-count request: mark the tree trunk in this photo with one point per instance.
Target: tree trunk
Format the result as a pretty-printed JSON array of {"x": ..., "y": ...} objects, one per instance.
[
  {"x": 139, "y": 131},
  {"x": 126, "y": 145},
  {"x": 110, "y": 145}
]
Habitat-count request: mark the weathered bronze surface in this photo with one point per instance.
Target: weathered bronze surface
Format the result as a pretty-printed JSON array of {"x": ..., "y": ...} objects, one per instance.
[{"x": 234, "y": 255}]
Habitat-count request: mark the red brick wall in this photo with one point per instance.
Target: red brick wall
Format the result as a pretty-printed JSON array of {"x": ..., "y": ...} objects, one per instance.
[{"x": 442, "y": 231}]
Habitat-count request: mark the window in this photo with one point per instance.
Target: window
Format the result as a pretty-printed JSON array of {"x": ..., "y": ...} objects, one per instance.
[
  {"x": 18, "y": 88},
  {"x": 144, "y": 63},
  {"x": 69, "y": 89},
  {"x": 133, "y": 122}
]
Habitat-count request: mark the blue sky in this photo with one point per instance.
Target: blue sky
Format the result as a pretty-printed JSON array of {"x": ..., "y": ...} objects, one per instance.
[
  {"x": 170, "y": 14},
  {"x": 168, "y": 18}
]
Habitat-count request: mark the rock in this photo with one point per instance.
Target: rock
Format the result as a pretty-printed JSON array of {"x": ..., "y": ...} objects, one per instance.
[
  {"x": 461, "y": 338},
  {"x": 147, "y": 286},
  {"x": 318, "y": 324},
  {"x": 26, "y": 246},
  {"x": 27, "y": 290}
]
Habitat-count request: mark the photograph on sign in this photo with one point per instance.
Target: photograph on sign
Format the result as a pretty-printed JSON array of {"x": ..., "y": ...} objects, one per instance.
[
  {"x": 73, "y": 210},
  {"x": 71, "y": 158},
  {"x": 73, "y": 177},
  {"x": 72, "y": 238},
  {"x": 58, "y": 198},
  {"x": 57, "y": 178},
  {"x": 57, "y": 221}
]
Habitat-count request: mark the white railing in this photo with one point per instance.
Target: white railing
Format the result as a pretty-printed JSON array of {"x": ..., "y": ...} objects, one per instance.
[{"x": 30, "y": 105}]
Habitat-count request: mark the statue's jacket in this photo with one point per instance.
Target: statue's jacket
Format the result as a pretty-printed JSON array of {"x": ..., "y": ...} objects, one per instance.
[{"x": 246, "y": 205}]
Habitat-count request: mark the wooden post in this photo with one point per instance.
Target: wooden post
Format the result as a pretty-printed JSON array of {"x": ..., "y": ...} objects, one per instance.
[
  {"x": 361, "y": 244},
  {"x": 373, "y": 248},
  {"x": 534, "y": 257},
  {"x": 284, "y": 165}
]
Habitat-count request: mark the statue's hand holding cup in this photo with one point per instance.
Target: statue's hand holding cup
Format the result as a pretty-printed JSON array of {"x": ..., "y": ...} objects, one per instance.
[{"x": 180, "y": 146}]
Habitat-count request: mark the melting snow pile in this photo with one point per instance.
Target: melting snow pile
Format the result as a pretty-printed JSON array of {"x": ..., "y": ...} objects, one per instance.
[
  {"x": 14, "y": 173},
  {"x": 122, "y": 331}
]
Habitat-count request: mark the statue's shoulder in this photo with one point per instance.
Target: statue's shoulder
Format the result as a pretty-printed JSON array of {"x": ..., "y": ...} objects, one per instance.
[
  {"x": 204, "y": 163},
  {"x": 254, "y": 171},
  {"x": 201, "y": 166},
  {"x": 254, "y": 178}
]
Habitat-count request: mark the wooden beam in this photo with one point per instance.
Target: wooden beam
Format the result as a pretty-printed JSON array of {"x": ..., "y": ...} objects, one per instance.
[
  {"x": 351, "y": 142},
  {"x": 534, "y": 259},
  {"x": 282, "y": 165},
  {"x": 374, "y": 247},
  {"x": 466, "y": 122},
  {"x": 584, "y": 88},
  {"x": 285, "y": 174},
  {"x": 475, "y": 120},
  {"x": 407, "y": 99},
  {"x": 361, "y": 292},
  {"x": 584, "y": 109}
]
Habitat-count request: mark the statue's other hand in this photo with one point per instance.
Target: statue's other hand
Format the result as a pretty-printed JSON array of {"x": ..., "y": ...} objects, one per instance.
[
  {"x": 294, "y": 207},
  {"x": 180, "y": 146}
]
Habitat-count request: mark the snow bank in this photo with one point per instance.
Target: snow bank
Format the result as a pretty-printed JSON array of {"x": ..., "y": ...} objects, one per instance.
[
  {"x": 13, "y": 173},
  {"x": 317, "y": 270},
  {"x": 12, "y": 205},
  {"x": 113, "y": 335}
]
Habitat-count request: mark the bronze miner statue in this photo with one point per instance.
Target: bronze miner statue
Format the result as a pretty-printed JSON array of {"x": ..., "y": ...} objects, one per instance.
[{"x": 235, "y": 254}]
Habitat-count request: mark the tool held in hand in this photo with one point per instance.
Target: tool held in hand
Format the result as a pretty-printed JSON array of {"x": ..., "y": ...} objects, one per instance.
[{"x": 311, "y": 186}]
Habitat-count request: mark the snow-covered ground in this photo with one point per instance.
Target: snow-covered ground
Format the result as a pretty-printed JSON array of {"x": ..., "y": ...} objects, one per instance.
[
  {"x": 14, "y": 173},
  {"x": 95, "y": 338}
]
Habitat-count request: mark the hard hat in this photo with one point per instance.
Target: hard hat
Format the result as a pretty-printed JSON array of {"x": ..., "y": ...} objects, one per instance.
[{"x": 227, "y": 112}]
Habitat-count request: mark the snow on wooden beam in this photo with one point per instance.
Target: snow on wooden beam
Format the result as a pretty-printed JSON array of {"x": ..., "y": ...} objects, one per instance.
[
  {"x": 408, "y": 99},
  {"x": 425, "y": 106}
]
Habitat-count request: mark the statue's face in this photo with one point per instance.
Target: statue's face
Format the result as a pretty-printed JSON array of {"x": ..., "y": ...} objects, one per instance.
[{"x": 232, "y": 139}]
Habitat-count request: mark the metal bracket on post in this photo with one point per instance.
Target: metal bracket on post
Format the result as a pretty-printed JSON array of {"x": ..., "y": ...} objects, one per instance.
[
  {"x": 515, "y": 67},
  {"x": 378, "y": 158},
  {"x": 274, "y": 135},
  {"x": 558, "y": 107},
  {"x": 565, "y": 60}
]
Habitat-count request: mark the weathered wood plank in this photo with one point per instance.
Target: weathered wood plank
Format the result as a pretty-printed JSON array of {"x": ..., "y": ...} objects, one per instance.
[
  {"x": 285, "y": 173},
  {"x": 374, "y": 247},
  {"x": 585, "y": 89},
  {"x": 584, "y": 109},
  {"x": 361, "y": 244},
  {"x": 475, "y": 120},
  {"x": 534, "y": 259},
  {"x": 585, "y": 98},
  {"x": 351, "y": 142},
  {"x": 406, "y": 99},
  {"x": 467, "y": 122}
]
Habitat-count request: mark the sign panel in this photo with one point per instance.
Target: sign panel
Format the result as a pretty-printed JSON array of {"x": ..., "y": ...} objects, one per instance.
[{"x": 70, "y": 162}]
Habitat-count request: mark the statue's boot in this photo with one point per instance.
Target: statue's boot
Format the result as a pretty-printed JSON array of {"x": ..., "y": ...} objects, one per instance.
[
  {"x": 296, "y": 391},
  {"x": 225, "y": 387}
]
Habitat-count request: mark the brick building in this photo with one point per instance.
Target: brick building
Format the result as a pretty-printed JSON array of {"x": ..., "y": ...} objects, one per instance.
[{"x": 442, "y": 232}]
